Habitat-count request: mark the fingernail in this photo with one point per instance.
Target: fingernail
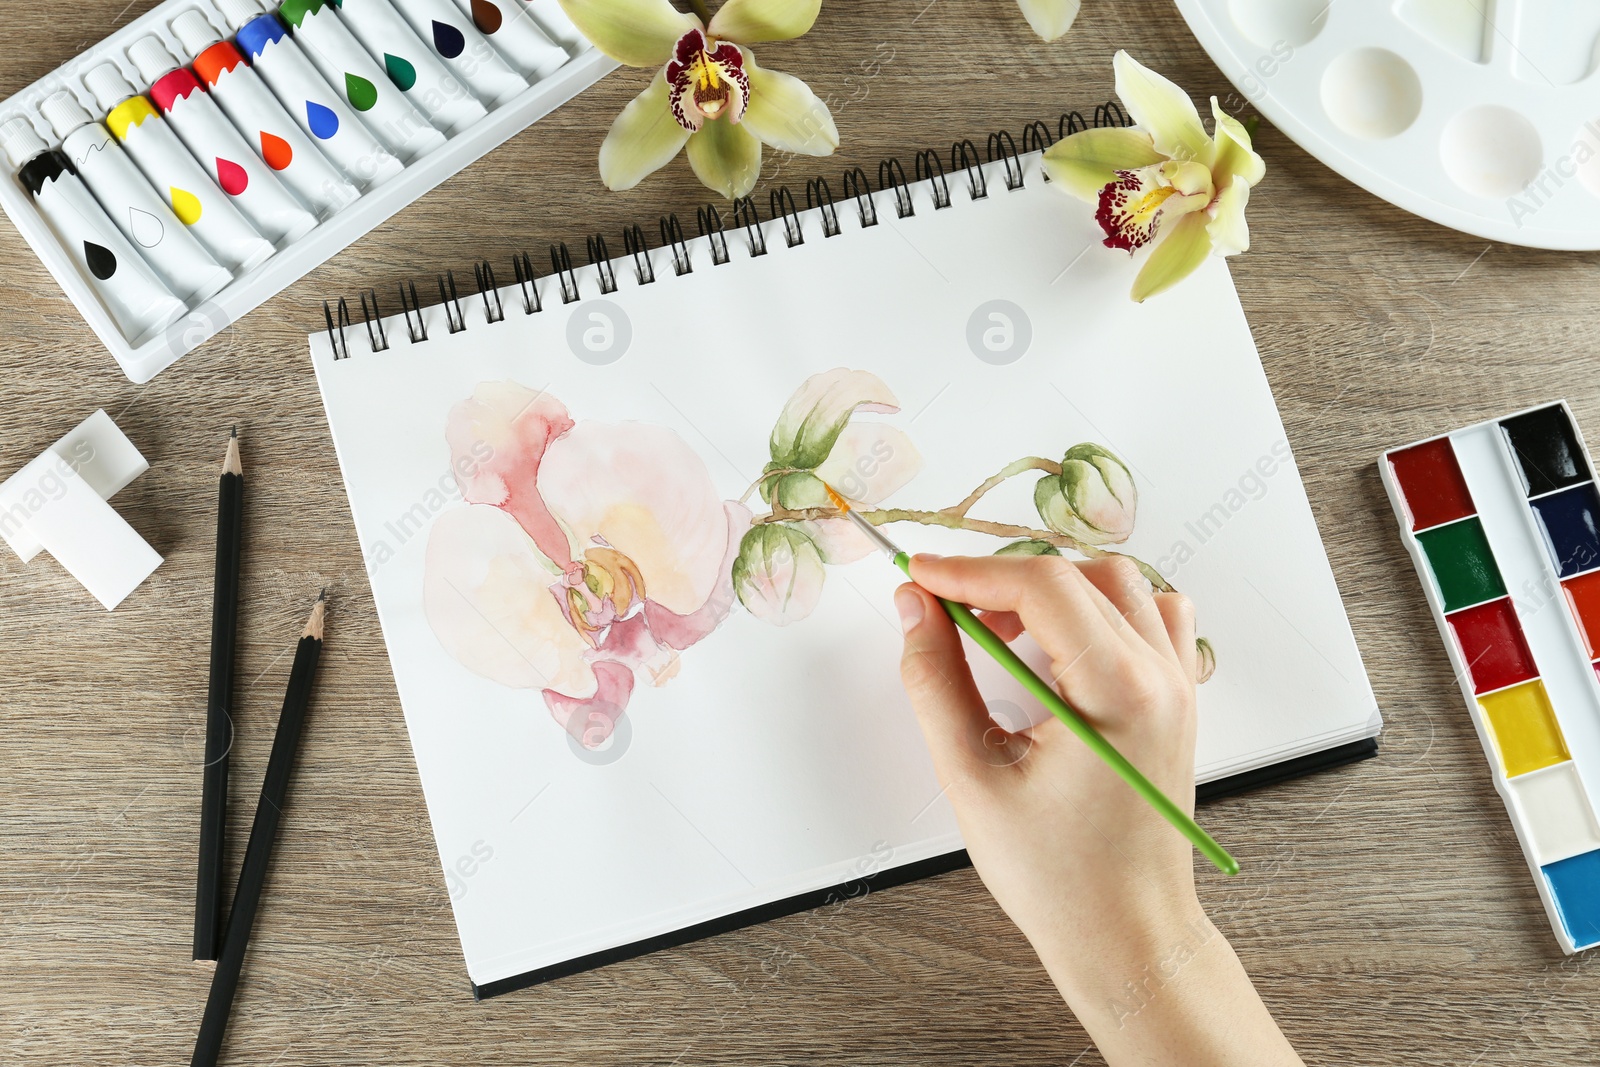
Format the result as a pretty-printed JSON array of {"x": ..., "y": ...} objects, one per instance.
[
  {"x": 909, "y": 604},
  {"x": 926, "y": 557}
]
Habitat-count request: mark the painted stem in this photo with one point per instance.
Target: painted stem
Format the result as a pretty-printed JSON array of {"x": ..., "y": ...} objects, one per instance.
[
  {"x": 767, "y": 476},
  {"x": 884, "y": 516},
  {"x": 1010, "y": 470}
]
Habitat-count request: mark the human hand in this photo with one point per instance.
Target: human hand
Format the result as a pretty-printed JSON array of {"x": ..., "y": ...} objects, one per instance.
[{"x": 1102, "y": 886}]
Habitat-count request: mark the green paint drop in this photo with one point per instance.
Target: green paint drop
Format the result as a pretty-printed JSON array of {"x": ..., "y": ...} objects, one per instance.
[
  {"x": 403, "y": 74},
  {"x": 362, "y": 93},
  {"x": 1462, "y": 563}
]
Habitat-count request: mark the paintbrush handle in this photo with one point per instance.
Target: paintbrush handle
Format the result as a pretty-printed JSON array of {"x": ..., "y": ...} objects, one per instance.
[{"x": 990, "y": 642}]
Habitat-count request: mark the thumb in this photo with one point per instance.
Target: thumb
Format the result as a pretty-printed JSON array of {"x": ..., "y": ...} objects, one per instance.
[{"x": 933, "y": 668}]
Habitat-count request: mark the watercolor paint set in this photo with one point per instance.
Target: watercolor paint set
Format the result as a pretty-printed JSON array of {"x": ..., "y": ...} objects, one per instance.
[
  {"x": 206, "y": 155},
  {"x": 1482, "y": 117},
  {"x": 1502, "y": 520}
]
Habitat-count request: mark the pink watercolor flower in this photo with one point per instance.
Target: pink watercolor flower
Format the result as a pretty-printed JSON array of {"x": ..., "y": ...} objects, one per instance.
[{"x": 590, "y": 554}]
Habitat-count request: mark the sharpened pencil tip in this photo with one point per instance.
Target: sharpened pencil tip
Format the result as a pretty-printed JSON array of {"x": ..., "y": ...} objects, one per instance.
[
  {"x": 235, "y": 431},
  {"x": 319, "y": 611},
  {"x": 230, "y": 462}
]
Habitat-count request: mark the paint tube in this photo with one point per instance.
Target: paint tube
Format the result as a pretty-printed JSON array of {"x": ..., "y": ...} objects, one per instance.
[
  {"x": 256, "y": 114},
  {"x": 321, "y": 112},
  {"x": 148, "y": 223},
  {"x": 328, "y": 42},
  {"x": 411, "y": 65},
  {"x": 138, "y": 301},
  {"x": 511, "y": 29},
  {"x": 555, "y": 23},
  {"x": 192, "y": 195},
  {"x": 463, "y": 49},
  {"x": 220, "y": 148}
]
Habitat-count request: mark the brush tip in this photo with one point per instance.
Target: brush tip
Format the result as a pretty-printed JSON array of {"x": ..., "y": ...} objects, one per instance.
[{"x": 838, "y": 501}]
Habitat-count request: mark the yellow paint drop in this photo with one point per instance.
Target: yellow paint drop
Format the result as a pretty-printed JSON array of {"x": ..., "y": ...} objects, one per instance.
[
  {"x": 1524, "y": 726},
  {"x": 185, "y": 205}
]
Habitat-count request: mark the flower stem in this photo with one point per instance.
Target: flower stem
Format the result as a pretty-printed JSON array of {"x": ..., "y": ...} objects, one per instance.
[
  {"x": 1010, "y": 470},
  {"x": 884, "y": 516},
  {"x": 699, "y": 8}
]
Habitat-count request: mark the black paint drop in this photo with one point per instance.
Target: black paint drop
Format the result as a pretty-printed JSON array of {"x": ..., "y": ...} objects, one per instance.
[
  {"x": 1546, "y": 449},
  {"x": 102, "y": 264}
]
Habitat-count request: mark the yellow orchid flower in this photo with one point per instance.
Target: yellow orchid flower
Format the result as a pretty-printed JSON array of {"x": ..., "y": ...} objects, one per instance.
[
  {"x": 1163, "y": 181},
  {"x": 709, "y": 95},
  {"x": 1049, "y": 18}
]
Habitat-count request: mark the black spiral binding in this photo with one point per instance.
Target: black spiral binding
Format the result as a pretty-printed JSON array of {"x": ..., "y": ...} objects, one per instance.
[
  {"x": 672, "y": 237},
  {"x": 745, "y": 214},
  {"x": 929, "y": 170},
  {"x": 710, "y": 224},
  {"x": 783, "y": 206},
  {"x": 372, "y": 318},
  {"x": 600, "y": 259},
  {"x": 819, "y": 196},
  {"x": 893, "y": 176},
  {"x": 633, "y": 243},
  {"x": 409, "y": 303},
  {"x": 483, "y": 274},
  {"x": 561, "y": 263},
  {"x": 454, "y": 316},
  {"x": 527, "y": 281}
]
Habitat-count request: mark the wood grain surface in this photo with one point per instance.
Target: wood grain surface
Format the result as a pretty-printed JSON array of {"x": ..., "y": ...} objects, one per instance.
[{"x": 1386, "y": 912}]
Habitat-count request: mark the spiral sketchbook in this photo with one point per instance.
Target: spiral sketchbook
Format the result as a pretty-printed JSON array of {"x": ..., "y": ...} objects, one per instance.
[{"x": 650, "y": 678}]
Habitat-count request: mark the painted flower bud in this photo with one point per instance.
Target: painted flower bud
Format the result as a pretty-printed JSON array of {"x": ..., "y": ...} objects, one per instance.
[
  {"x": 1205, "y": 661},
  {"x": 778, "y": 573},
  {"x": 1093, "y": 499}
]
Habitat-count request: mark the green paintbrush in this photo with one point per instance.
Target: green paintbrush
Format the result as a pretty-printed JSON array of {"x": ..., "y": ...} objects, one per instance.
[{"x": 990, "y": 642}]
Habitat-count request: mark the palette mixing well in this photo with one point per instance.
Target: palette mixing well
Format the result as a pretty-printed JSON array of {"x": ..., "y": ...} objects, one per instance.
[
  {"x": 1502, "y": 520},
  {"x": 1482, "y": 116}
]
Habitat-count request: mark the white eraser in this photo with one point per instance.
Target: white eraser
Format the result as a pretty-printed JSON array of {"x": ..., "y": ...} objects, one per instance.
[
  {"x": 58, "y": 503},
  {"x": 95, "y": 449}
]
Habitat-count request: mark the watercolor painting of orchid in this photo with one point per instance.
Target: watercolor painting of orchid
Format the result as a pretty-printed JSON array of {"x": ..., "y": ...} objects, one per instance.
[
  {"x": 709, "y": 97},
  {"x": 590, "y": 555}
]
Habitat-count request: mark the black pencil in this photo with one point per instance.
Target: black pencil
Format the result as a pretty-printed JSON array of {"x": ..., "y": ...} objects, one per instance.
[
  {"x": 258, "y": 853},
  {"x": 219, "y": 707}
]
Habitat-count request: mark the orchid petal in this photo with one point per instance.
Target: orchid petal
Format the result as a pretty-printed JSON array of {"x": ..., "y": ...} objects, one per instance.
[
  {"x": 1188, "y": 177},
  {"x": 706, "y": 80},
  {"x": 838, "y": 540},
  {"x": 1229, "y": 232},
  {"x": 1233, "y": 156},
  {"x": 869, "y": 461},
  {"x": 591, "y": 719},
  {"x": 1049, "y": 18},
  {"x": 1174, "y": 259},
  {"x": 754, "y": 21},
  {"x": 784, "y": 113},
  {"x": 638, "y": 33},
  {"x": 641, "y": 490},
  {"x": 1161, "y": 109},
  {"x": 643, "y": 139},
  {"x": 486, "y": 594},
  {"x": 680, "y": 631},
  {"x": 817, "y": 412},
  {"x": 1134, "y": 208},
  {"x": 498, "y": 438},
  {"x": 1086, "y": 162},
  {"x": 726, "y": 158}
]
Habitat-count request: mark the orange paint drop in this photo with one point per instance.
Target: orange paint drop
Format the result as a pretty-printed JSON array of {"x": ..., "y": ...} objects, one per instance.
[{"x": 276, "y": 151}]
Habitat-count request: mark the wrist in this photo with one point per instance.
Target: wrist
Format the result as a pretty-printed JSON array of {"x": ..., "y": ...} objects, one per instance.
[{"x": 1127, "y": 960}]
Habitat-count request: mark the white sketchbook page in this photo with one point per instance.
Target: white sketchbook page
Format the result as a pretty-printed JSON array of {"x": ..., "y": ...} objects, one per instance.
[{"x": 785, "y": 759}]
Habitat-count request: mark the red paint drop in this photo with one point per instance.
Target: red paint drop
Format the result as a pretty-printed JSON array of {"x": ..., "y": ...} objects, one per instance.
[
  {"x": 231, "y": 176},
  {"x": 276, "y": 151}
]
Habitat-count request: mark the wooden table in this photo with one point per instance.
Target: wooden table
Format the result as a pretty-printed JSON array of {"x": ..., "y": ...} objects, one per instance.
[{"x": 1388, "y": 916}]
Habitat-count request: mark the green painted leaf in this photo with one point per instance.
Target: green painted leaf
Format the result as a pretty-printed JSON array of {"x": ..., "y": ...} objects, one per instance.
[{"x": 1030, "y": 547}]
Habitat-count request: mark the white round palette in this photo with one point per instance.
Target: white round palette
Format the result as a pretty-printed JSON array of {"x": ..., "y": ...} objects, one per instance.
[{"x": 1482, "y": 116}]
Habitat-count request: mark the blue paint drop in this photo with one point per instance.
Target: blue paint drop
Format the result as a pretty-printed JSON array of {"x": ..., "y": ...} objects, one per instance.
[
  {"x": 324, "y": 123},
  {"x": 448, "y": 40}
]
